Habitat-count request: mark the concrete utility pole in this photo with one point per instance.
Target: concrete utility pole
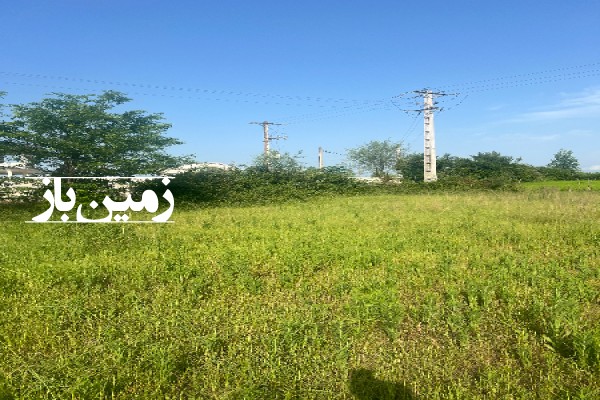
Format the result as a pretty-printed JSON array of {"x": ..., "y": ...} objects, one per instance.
[
  {"x": 320, "y": 157},
  {"x": 429, "y": 107},
  {"x": 429, "y": 161},
  {"x": 430, "y": 167},
  {"x": 266, "y": 138}
]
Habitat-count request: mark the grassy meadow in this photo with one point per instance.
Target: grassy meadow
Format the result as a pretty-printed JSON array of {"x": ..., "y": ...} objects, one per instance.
[
  {"x": 577, "y": 185},
  {"x": 439, "y": 296}
]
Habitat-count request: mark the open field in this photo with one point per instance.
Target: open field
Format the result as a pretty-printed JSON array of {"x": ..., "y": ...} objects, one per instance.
[
  {"x": 439, "y": 296},
  {"x": 579, "y": 185}
]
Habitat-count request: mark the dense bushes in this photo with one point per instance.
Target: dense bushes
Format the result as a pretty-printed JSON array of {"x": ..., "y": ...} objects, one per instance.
[
  {"x": 213, "y": 187},
  {"x": 256, "y": 186}
]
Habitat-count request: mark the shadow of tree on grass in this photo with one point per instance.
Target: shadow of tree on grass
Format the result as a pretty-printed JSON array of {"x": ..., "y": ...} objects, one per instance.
[{"x": 364, "y": 386}]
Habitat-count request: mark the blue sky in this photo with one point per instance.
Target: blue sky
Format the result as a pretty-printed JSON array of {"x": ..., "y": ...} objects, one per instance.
[{"x": 527, "y": 72}]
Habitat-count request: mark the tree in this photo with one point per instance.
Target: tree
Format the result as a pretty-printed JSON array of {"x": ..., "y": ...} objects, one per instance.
[
  {"x": 492, "y": 164},
  {"x": 79, "y": 135},
  {"x": 411, "y": 167},
  {"x": 376, "y": 157},
  {"x": 565, "y": 160},
  {"x": 486, "y": 165}
]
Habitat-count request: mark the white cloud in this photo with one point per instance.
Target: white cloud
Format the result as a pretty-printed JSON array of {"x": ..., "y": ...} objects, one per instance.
[
  {"x": 594, "y": 168},
  {"x": 574, "y": 105}
]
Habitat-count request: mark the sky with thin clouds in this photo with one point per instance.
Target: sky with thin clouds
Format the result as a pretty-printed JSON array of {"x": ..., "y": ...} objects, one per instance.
[
  {"x": 522, "y": 76},
  {"x": 578, "y": 105}
]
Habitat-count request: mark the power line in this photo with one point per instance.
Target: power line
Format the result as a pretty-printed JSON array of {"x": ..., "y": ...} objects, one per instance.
[
  {"x": 171, "y": 96},
  {"x": 321, "y": 158},
  {"x": 333, "y": 152},
  {"x": 485, "y": 81},
  {"x": 527, "y": 80},
  {"x": 209, "y": 92},
  {"x": 338, "y": 112},
  {"x": 331, "y": 107},
  {"x": 411, "y": 128}
]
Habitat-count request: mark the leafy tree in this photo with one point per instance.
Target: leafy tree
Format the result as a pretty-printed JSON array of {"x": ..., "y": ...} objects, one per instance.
[
  {"x": 487, "y": 165},
  {"x": 411, "y": 167},
  {"x": 80, "y": 135},
  {"x": 565, "y": 160},
  {"x": 377, "y": 157},
  {"x": 448, "y": 165},
  {"x": 491, "y": 164}
]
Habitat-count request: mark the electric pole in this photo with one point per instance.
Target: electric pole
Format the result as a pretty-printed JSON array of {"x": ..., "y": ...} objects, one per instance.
[
  {"x": 429, "y": 161},
  {"x": 320, "y": 157},
  {"x": 428, "y": 109},
  {"x": 266, "y": 137}
]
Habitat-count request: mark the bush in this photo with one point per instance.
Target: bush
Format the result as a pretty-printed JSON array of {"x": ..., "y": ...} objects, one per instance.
[{"x": 256, "y": 186}]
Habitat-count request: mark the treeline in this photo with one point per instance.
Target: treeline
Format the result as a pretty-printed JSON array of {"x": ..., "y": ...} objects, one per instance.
[
  {"x": 281, "y": 178},
  {"x": 492, "y": 168},
  {"x": 255, "y": 185}
]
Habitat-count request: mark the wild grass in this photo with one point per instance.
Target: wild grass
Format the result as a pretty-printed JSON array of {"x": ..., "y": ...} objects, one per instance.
[
  {"x": 462, "y": 296},
  {"x": 575, "y": 185}
]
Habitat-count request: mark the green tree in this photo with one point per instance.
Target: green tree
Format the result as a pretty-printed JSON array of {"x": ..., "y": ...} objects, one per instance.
[
  {"x": 80, "y": 135},
  {"x": 377, "y": 157},
  {"x": 485, "y": 165},
  {"x": 491, "y": 164},
  {"x": 411, "y": 167},
  {"x": 448, "y": 165},
  {"x": 564, "y": 160}
]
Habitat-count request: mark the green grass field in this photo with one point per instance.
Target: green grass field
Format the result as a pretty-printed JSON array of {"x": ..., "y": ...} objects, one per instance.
[
  {"x": 466, "y": 296},
  {"x": 581, "y": 185}
]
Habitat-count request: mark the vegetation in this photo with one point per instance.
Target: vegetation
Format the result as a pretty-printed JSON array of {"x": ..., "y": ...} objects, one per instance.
[
  {"x": 578, "y": 185},
  {"x": 257, "y": 185},
  {"x": 564, "y": 160},
  {"x": 494, "y": 167},
  {"x": 277, "y": 162},
  {"x": 78, "y": 135},
  {"x": 482, "y": 166},
  {"x": 460, "y": 296},
  {"x": 377, "y": 157},
  {"x": 449, "y": 291}
]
